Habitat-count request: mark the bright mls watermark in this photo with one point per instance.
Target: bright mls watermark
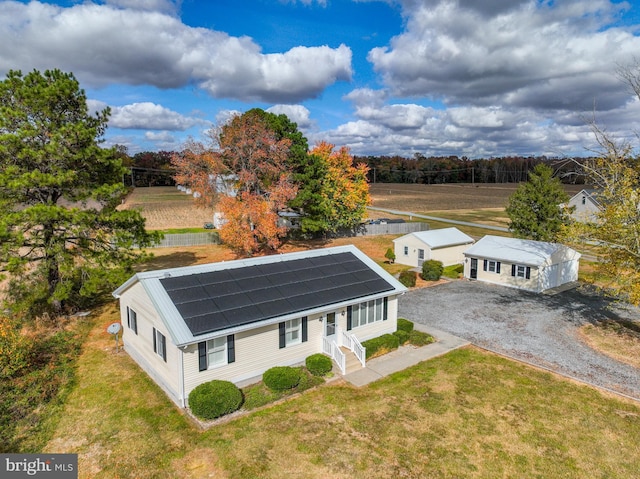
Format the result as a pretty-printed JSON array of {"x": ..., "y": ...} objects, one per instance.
[{"x": 50, "y": 466}]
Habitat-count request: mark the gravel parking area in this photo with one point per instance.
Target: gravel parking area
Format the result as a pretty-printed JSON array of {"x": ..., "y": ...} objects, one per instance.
[{"x": 536, "y": 328}]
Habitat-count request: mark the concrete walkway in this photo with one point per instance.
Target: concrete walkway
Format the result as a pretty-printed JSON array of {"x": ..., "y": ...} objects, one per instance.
[{"x": 406, "y": 356}]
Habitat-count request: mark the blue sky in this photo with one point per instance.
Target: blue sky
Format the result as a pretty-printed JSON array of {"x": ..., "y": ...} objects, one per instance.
[{"x": 474, "y": 78}]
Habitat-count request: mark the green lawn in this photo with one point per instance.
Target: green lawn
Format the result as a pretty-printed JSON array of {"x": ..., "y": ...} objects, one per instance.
[{"x": 465, "y": 414}]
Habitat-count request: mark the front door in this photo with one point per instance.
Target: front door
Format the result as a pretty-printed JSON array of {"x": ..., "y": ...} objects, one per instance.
[
  {"x": 330, "y": 325},
  {"x": 473, "y": 273},
  {"x": 420, "y": 257}
]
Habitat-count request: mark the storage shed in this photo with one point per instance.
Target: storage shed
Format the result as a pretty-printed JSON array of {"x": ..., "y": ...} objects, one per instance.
[
  {"x": 446, "y": 245},
  {"x": 525, "y": 264}
]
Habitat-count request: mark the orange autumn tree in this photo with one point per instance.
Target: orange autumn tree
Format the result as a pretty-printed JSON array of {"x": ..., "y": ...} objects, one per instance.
[
  {"x": 343, "y": 189},
  {"x": 257, "y": 158},
  {"x": 197, "y": 167}
]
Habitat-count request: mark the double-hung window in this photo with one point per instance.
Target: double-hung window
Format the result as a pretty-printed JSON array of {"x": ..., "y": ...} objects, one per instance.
[
  {"x": 406, "y": 251},
  {"x": 132, "y": 320},
  {"x": 160, "y": 344},
  {"x": 292, "y": 332},
  {"x": 492, "y": 266},
  {"x": 521, "y": 271},
  {"x": 216, "y": 352}
]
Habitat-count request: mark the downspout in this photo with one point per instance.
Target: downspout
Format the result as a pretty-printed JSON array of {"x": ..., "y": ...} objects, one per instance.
[{"x": 181, "y": 377}]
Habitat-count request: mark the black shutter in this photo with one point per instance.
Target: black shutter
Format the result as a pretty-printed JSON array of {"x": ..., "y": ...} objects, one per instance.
[
  {"x": 513, "y": 270},
  {"x": 304, "y": 329},
  {"x": 484, "y": 267},
  {"x": 528, "y": 274},
  {"x": 231, "y": 349},
  {"x": 202, "y": 355},
  {"x": 282, "y": 329},
  {"x": 385, "y": 308},
  {"x": 349, "y": 312},
  {"x": 498, "y": 267},
  {"x": 155, "y": 345},
  {"x": 128, "y": 316},
  {"x": 164, "y": 348}
]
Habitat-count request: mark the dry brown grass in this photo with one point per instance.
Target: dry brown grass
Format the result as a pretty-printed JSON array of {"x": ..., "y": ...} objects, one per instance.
[
  {"x": 164, "y": 207},
  {"x": 621, "y": 341}
]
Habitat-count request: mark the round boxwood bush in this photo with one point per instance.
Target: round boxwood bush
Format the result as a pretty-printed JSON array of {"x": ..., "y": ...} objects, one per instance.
[
  {"x": 281, "y": 378},
  {"x": 318, "y": 364},
  {"x": 214, "y": 399},
  {"x": 402, "y": 336},
  {"x": 432, "y": 270}
]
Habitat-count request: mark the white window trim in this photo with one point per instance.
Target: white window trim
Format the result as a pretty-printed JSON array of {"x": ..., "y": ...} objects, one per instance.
[
  {"x": 406, "y": 250},
  {"x": 289, "y": 328},
  {"x": 212, "y": 349},
  {"x": 492, "y": 263},
  {"x": 521, "y": 271}
]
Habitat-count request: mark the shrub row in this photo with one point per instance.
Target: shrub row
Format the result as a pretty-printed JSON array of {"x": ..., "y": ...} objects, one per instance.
[{"x": 380, "y": 345}]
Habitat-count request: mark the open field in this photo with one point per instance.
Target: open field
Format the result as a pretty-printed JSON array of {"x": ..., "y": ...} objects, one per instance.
[
  {"x": 165, "y": 207},
  {"x": 454, "y": 196},
  {"x": 465, "y": 414}
]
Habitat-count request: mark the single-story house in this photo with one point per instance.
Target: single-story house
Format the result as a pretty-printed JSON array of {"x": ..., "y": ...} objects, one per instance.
[
  {"x": 234, "y": 320},
  {"x": 585, "y": 206},
  {"x": 446, "y": 245},
  {"x": 525, "y": 264}
]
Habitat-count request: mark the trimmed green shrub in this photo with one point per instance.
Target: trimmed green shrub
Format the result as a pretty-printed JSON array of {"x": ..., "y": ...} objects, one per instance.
[
  {"x": 380, "y": 345},
  {"x": 390, "y": 255},
  {"x": 454, "y": 271},
  {"x": 402, "y": 336},
  {"x": 281, "y": 378},
  {"x": 419, "y": 338},
  {"x": 214, "y": 399},
  {"x": 318, "y": 364},
  {"x": 432, "y": 270},
  {"x": 408, "y": 278},
  {"x": 405, "y": 325}
]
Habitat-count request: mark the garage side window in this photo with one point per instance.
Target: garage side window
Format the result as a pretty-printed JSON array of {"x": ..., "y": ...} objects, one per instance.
[
  {"x": 521, "y": 271},
  {"x": 406, "y": 251},
  {"x": 491, "y": 266},
  {"x": 132, "y": 320}
]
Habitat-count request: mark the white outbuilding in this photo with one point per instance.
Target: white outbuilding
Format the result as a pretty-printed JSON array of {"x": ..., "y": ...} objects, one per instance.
[
  {"x": 446, "y": 245},
  {"x": 524, "y": 264}
]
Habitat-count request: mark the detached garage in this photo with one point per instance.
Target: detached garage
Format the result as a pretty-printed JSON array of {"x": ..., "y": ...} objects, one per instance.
[
  {"x": 446, "y": 245},
  {"x": 525, "y": 264}
]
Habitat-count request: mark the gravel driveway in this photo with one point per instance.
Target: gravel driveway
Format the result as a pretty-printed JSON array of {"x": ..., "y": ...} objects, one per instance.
[{"x": 540, "y": 329}]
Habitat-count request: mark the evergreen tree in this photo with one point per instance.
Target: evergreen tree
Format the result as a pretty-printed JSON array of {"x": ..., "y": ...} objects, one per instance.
[
  {"x": 536, "y": 208},
  {"x": 62, "y": 240}
]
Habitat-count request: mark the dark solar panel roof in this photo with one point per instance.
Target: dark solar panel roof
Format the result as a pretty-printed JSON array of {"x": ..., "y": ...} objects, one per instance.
[{"x": 218, "y": 300}]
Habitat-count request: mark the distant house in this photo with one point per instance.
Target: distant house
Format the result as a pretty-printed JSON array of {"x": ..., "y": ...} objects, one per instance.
[
  {"x": 585, "y": 205},
  {"x": 525, "y": 264},
  {"x": 446, "y": 245},
  {"x": 234, "y": 320}
]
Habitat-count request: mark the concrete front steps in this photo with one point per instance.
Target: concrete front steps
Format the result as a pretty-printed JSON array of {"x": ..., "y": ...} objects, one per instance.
[{"x": 352, "y": 362}]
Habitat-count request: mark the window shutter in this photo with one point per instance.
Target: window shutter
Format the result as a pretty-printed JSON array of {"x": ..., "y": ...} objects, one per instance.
[
  {"x": 513, "y": 270},
  {"x": 385, "y": 308},
  {"x": 231, "y": 349},
  {"x": 164, "y": 347},
  {"x": 128, "y": 316},
  {"x": 498, "y": 267},
  {"x": 281, "y": 327},
  {"x": 528, "y": 273},
  {"x": 484, "y": 265},
  {"x": 349, "y": 313},
  {"x": 202, "y": 355},
  {"x": 155, "y": 345},
  {"x": 304, "y": 329}
]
